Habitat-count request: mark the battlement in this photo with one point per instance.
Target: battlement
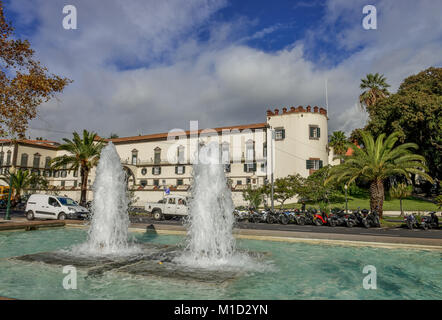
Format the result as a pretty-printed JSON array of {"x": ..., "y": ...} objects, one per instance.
[{"x": 298, "y": 109}]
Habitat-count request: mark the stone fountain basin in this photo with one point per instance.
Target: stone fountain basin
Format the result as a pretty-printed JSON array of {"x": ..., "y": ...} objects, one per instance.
[{"x": 154, "y": 260}]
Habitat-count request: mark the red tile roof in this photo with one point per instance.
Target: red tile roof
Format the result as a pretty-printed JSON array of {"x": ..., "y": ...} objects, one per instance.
[{"x": 158, "y": 136}]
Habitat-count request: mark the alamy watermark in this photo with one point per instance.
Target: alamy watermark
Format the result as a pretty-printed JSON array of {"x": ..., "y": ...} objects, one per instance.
[
  {"x": 370, "y": 20},
  {"x": 370, "y": 281},
  {"x": 70, "y": 20},
  {"x": 70, "y": 281}
]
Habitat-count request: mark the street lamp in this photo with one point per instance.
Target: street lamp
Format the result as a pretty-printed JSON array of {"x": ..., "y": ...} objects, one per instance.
[
  {"x": 346, "y": 201},
  {"x": 8, "y": 207}
]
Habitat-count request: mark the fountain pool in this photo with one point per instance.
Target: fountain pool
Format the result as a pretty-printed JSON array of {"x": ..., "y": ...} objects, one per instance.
[{"x": 298, "y": 271}]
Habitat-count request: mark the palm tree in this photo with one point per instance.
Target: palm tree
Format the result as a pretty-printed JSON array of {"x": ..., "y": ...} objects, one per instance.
[
  {"x": 400, "y": 191},
  {"x": 376, "y": 161},
  {"x": 338, "y": 142},
  {"x": 83, "y": 154},
  {"x": 22, "y": 180},
  {"x": 375, "y": 87}
]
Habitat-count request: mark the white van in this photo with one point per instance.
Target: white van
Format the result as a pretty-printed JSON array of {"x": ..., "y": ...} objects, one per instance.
[{"x": 44, "y": 206}]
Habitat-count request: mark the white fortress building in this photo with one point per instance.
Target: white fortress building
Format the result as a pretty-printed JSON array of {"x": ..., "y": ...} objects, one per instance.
[{"x": 291, "y": 140}]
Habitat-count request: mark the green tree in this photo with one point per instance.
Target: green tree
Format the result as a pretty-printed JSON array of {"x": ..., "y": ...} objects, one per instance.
[
  {"x": 254, "y": 196},
  {"x": 439, "y": 201},
  {"x": 415, "y": 111},
  {"x": 83, "y": 153},
  {"x": 23, "y": 180},
  {"x": 338, "y": 142},
  {"x": 285, "y": 188},
  {"x": 401, "y": 191},
  {"x": 376, "y": 161},
  {"x": 317, "y": 190},
  {"x": 375, "y": 87}
]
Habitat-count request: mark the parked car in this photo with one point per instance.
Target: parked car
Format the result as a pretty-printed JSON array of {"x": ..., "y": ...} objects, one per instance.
[
  {"x": 169, "y": 206},
  {"x": 45, "y": 206}
]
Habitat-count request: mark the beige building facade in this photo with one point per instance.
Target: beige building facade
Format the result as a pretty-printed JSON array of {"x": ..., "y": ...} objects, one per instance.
[{"x": 291, "y": 140}]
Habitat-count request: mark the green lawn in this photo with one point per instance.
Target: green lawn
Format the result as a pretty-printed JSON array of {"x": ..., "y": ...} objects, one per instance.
[{"x": 409, "y": 204}]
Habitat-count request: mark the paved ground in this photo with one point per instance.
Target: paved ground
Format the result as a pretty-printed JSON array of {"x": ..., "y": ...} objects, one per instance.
[
  {"x": 387, "y": 235},
  {"x": 390, "y": 232}
]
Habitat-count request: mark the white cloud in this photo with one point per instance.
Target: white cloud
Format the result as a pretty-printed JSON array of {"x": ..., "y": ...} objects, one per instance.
[{"x": 172, "y": 78}]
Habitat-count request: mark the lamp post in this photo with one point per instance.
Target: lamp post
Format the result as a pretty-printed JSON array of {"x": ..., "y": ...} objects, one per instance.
[
  {"x": 8, "y": 207},
  {"x": 271, "y": 168},
  {"x": 346, "y": 201}
]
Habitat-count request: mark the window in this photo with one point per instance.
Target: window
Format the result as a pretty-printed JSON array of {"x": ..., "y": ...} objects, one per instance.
[
  {"x": 239, "y": 182},
  {"x": 314, "y": 164},
  {"x": 250, "y": 152},
  {"x": 225, "y": 153},
  {"x": 24, "y": 160},
  {"x": 171, "y": 201},
  {"x": 314, "y": 132},
  {"x": 56, "y": 174},
  {"x": 75, "y": 183},
  {"x": 47, "y": 173},
  {"x": 143, "y": 183},
  {"x": 36, "y": 163},
  {"x": 134, "y": 157},
  {"x": 156, "y": 170},
  {"x": 47, "y": 162},
  {"x": 156, "y": 182},
  {"x": 279, "y": 134},
  {"x": 8, "y": 158},
  {"x": 62, "y": 183},
  {"x": 179, "y": 170},
  {"x": 180, "y": 154},
  {"x": 248, "y": 180},
  {"x": 2, "y": 157},
  {"x": 250, "y": 167},
  {"x": 143, "y": 171},
  {"x": 227, "y": 168},
  {"x": 179, "y": 182},
  {"x": 53, "y": 202},
  {"x": 64, "y": 172},
  {"x": 157, "y": 158},
  {"x": 75, "y": 173}
]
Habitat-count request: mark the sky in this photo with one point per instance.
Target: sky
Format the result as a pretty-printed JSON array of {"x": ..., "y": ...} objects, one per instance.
[{"x": 148, "y": 66}]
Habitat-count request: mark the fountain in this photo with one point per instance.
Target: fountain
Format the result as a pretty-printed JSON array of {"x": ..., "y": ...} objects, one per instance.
[
  {"x": 209, "y": 254},
  {"x": 210, "y": 243},
  {"x": 108, "y": 232}
]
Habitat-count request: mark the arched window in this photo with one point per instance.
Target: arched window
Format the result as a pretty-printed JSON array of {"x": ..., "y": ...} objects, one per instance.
[
  {"x": 134, "y": 157},
  {"x": 225, "y": 153},
  {"x": 250, "y": 152},
  {"x": 157, "y": 158},
  {"x": 36, "y": 163},
  {"x": 8, "y": 158},
  {"x": 181, "y": 155},
  {"x": 47, "y": 162},
  {"x": 24, "y": 160}
]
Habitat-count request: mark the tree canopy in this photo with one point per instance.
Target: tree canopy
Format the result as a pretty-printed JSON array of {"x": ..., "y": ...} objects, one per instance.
[
  {"x": 24, "y": 82},
  {"x": 415, "y": 112}
]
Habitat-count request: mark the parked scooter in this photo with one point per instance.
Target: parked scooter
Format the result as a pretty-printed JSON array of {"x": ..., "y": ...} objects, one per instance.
[
  {"x": 299, "y": 217},
  {"x": 411, "y": 221},
  {"x": 430, "y": 222},
  {"x": 321, "y": 218},
  {"x": 373, "y": 219},
  {"x": 337, "y": 217}
]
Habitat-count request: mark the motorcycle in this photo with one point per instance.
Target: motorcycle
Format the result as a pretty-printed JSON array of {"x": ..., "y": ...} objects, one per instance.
[
  {"x": 286, "y": 217},
  {"x": 321, "y": 218},
  {"x": 373, "y": 219},
  {"x": 337, "y": 217},
  {"x": 430, "y": 222},
  {"x": 299, "y": 217},
  {"x": 361, "y": 217},
  {"x": 271, "y": 217},
  {"x": 411, "y": 221}
]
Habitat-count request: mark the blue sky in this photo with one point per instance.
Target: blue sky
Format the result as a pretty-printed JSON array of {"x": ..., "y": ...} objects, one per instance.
[{"x": 143, "y": 66}]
